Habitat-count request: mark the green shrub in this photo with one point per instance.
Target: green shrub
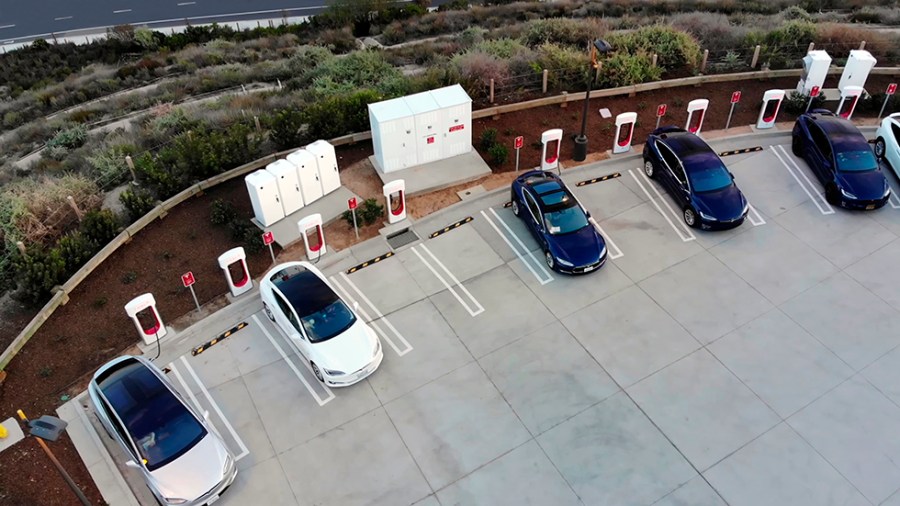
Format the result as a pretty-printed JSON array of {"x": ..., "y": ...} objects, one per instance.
[
  {"x": 69, "y": 138},
  {"x": 244, "y": 232},
  {"x": 360, "y": 69},
  {"x": 340, "y": 115},
  {"x": 38, "y": 272},
  {"x": 785, "y": 45},
  {"x": 137, "y": 202},
  {"x": 566, "y": 66},
  {"x": 477, "y": 69},
  {"x": 100, "y": 227},
  {"x": 371, "y": 211},
  {"x": 500, "y": 48},
  {"x": 795, "y": 103},
  {"x": 75, "y": 249},
  {"x": 623, "y": 69},
  {"x": 675, "y": 49},
  {"x": 488, "y": 138},
  {"x": 221, "y": 212},
  {"x": 109, "y": 165},
  {"x": 576, "y": 33},
  {"x": 498, "y": 153}
]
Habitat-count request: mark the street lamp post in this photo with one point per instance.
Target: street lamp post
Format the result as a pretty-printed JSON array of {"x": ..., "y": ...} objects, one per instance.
[
  {"x": 581, "y": 140},
  {"x": 50, "y": 428}
]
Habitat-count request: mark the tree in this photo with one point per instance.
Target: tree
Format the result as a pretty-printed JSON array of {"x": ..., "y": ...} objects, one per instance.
[{"x": 356, "y": 12}]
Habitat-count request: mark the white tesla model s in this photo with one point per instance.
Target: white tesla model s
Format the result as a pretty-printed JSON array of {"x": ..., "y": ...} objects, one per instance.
[
  {"x": 887, "y": 142},
  {"x": 340, "y": 347}
]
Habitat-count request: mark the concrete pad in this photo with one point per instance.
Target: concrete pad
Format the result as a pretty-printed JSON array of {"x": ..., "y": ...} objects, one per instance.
[
  {"x": 506, "y": 221},
  {"x": 386, "y": 474},
  {"x": 216, "y": 365},
  {"x": 693, "y": 493},
  {"x": 871, "y": 272},
  {"x": 455, "y": 425},
  {"x": 607, "y": 198},
  {"x": 436, "y": 351},
  {"x": 854, "y": 427},
  {"x": 501, "y": 482},
  {"x": 706, "y": 297},
  {"x": 755, "y": 254},
  {"x": 428, "y": 501},
  {"x": 852, "y": 322},
  {"x": 766, "y": 183},
  {"x": 611, "y": 454},
  {"x": 471, "y": 192},
  {"x": 438, "y": 174},
  {"x": 703, "y": 408},
  {"x": 387, "y": 284},
  {"x": 894, "y": 500},
  {"x": 884, "y": 375},
  {"x": 330, "y": 206},
  {"x": 511, "y": 311},
  {"x": 234, "y": 399},
  {"x": 781, "y": 362},
  {"x": 264, "y": 483},
  {"x": 547, "y": 377},
  {"x": 780, "y": 468},
  {"x": 629, "y": 335},
  {"x": 843, "y": 237}
]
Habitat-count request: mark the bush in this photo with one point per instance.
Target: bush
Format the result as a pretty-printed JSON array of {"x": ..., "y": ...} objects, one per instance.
[
  {"x": 137, "y": 202},
  {"x": 624, "y": 69},
  {"x": 714, "y": 31},
  {"x": 488, "y": 138},
  {"x": 38, "y": 272},
  {"x": 368, "y": 213},
  {"x": 795, "y": 103},
  {"x": 565, "y": 65},
  {"x": 498, "y": 153},
  {"x": 575, "y": 33},
  {"x": 340, "y": 115},
  {"x": 675, "y": 49},
  {"x": 784, "y": 46},
  {"x": 75, "y": 249},
  {"x": 476, "y": 70},
  {"x": 286, "y": 129},
  {"x": 360, "y": 69},
  {"x": 222, "y": 212},
  {"x": 70, "y": 138},
  {"x": 244, "y": 232},
  {"x": 100, "y": 227},
  {"x": 109, "y": 165}
]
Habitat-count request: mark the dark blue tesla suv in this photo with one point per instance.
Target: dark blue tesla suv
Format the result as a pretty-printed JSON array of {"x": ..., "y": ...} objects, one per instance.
[
  {"x": 841, "y": 158},
  {"x": 696, "y": 178},
  {"x": 554, "y": 216}
]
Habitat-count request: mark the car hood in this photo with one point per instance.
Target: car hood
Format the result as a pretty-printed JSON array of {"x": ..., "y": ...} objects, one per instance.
[
  {"x": 195, "y": 473},
  {"x": 724, "y": 205},
  {"x": 869, "y": 185},
  {"x": 582, "y": 247},
  {"x": 349, "y": 351}
]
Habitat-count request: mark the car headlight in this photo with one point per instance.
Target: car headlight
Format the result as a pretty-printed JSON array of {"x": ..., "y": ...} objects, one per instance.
[
  {"x": 174, "y": 500},
  {"x": 887, "y": 192},
  {"x": 603, "y": 252},
  {"x": 707, "y": 217},
  {"x": 377, "y": 347},
  {"x": 745, "y": 209},
  {"x": 847, "y": 194},
  {"x": 229, "y": 465},
  {"x": 560, "y": 261},
  {"x": 332, "y": 372}
]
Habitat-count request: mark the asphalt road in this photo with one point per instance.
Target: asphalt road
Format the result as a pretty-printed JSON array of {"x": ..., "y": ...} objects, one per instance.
[{"x": 26, "y": 20}]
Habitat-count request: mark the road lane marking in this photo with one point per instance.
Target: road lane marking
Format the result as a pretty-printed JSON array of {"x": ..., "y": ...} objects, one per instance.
[
  {"x": 218, "y": 410},
  {"x": 293, "y": 367},
  {"x": 122, "y": 11},
  {"x": 378, "y": 316},
  {"x": 539, "y": 278},
  {"x": 479, "y": 308},
  {"x": 690, "y": 235},
  {"x": 63, "y": 18},
  {"x": 759, "y": 219},
  {"x": 182, "y": 4},
  {"x": 7, "y": 26},
  {"x": 609, "y": 242},
  {"x": 826, "y": 210}
]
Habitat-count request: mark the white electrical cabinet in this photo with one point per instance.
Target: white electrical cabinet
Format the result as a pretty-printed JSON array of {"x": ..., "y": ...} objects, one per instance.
[
  {"x": 263, "y": 189},
  {"x": 308, "y": 172},
  {"x": 393, "y": 134},
  {"x": 326, "y": 160},
  {"x": 815, "y": 70},
  {"x": 856, "y": 71},
  {"x": 428, "y": 117},
  {"x": 456, "y": 107},
  {"x": 288, "y": 185}
]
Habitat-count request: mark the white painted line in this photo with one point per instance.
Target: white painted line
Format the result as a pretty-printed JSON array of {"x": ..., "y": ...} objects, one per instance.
[
  {"x": 369, "y": 319},
  {"x": 7, "y": 26},
  {"x": 521, "y": 257},
  {"x": 759, "y": 219},
  {"x": 453, "y": 277},
  {"x": 63, "y": 18},
  {"x": 218, "y": 410},
  {"x": 894, "y": 197},
  {"x": 609, "y": 242},
  {"x": 95, "y": 438},
  {"x": 690, "y": 236},
  {"x": 537, "y": 262},
  {"x": 379, "y": 316},
  {"x": 184, "y": 385},
  {"x": 122, "y": 11},
  {"x": 445, "y": 283},
  {"x": 290, "y": 364},
  {"x": 182, "y": 4},
  {"x": 826, "y": 210}
]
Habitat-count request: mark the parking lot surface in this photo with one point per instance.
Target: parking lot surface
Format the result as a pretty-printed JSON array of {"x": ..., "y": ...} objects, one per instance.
[{"x": 756, "y": 366}]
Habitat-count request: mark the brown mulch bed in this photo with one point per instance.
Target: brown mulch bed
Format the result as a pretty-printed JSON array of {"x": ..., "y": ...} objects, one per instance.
[{"x": 93, "y": 327}]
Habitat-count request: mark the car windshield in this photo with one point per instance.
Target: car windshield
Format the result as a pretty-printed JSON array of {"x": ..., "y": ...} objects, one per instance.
[
  {"x": 328, "y": 321},
  {"x": 564, "y": 221},
  {"x": 709, "y": 178},
  {"x": 161, "y": 426},
  {"x": 856, "y": 160}
]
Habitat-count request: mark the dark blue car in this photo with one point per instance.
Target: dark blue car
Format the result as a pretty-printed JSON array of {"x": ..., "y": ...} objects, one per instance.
[
  {"x": 570, "y": 242},
  {"x": 696, "y": 178},
  {"x": 841, "y": 158}
]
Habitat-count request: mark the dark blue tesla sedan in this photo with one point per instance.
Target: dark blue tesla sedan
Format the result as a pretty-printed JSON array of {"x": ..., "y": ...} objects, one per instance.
[
  {"x": 570, "y": 242},
  {"x": 841, "y": 158},
  {"x": 696, "y": 178}
]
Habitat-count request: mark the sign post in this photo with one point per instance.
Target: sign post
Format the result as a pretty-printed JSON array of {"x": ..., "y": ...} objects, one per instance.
[
  {"x": 187, "y": 279},
  {"x": 351, "y": 203},
  {"x": 660, "y": 112},
  {"x": 268, "y": 239},
  {"x": 520, "y": 141},
  {"x": 891, "y": 89},
  {"x": 735, "y": 98},
  {"x": 813, "y": 93}
]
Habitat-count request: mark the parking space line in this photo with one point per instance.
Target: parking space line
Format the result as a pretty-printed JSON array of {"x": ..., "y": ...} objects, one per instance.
[
  {"x": 480, "y": 308},
  {"x": 218, "y": 410},
  {"x": 892, "y": 198},
  {"x": 827, "y": 209},
  {"x": 690, "y": 235},
  {"x": 379, "y": 316},
  {"x": 608, "y": 239},
  {"x": 541, "y": 279},
  {"x": 293, "y": 367},
  {"x": 758, "y": 220}
]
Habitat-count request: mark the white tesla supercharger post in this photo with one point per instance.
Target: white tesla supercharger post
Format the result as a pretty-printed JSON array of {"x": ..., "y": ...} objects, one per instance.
[
  {"x": 311, "y": 226},
  {"x": 768, "y": 113},
  {"x": 624, "y": 132},
  {"x": 849, "y": 97},
  {"x": 696, "y": 110},
  {"x": 231, "y": 257},
  {"x": 550, "y": 153},
  {"x": 146, "y": 302},
  {"x": 395, "y": 198}
]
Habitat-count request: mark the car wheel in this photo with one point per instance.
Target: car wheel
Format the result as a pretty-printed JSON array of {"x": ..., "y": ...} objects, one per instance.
[
  {"x": 832, "y": 194},
  {"x": 268, "y": 311},
  {"x": 649, "y": 169},
  {"x": 879, "y": 149},
  {"x": 515, "y": 207},
  {"x": 690, "y": 217},
  {"x": 551, "y": 263},
  {"x": 796, "y": 148},
  {"x": 317, "y": 372}
]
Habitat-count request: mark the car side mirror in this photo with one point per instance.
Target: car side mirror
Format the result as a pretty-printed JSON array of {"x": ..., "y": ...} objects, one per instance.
[
  {"x": 131, "y": 463},
  {"x": 731, "y": 174}
]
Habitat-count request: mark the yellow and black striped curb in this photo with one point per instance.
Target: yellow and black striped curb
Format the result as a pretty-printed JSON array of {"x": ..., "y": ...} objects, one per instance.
[
  {"x": 221, "y": 337},
  {"x": 367, "y": 263},
  {"x": 451, "y": 227},
  {"x": 741, "y": 151},
  {"x": 598, "y": 179}
]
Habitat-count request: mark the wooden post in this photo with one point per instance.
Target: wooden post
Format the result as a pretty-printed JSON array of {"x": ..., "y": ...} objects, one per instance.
[
  {"x": 21, "y": 246},
  {"x": 812, "y": 45},
  {"x": 653, "y": 59},
  {"x": 544, "y": 82},
  {"x": 564, "y": 103},
  {"x": 492, "y": 90},
  {"x": 130, "y": 163},
  {"x": 755, "y": 59},
  {"x": 256, "y": 121},
  {"x": 705, "y": 59},
  {"x": 862, "y": 45},
  {"x": 71, "y": 200}
]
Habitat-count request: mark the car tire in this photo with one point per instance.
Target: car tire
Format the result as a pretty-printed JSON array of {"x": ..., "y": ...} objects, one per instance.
[
  {"x": 317, "y": 372},
  {"x": 880, "y": 149},
  {"x": 796, "y": 147},
  {"x": 649, "y": 169},
  {"x": 832, "y": 194},
  {"x": 268, "y": 311},
  {"x": 551, "y": 263},
  {"x": 690, "y": 217},
  {"x": 515, "y": 207}
]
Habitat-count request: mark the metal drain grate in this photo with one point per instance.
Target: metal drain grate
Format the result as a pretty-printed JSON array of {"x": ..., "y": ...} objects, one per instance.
[{"x": 401, "y": 239}]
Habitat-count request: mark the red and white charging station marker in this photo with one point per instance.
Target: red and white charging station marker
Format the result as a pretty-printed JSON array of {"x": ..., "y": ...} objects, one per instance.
[
  {"x": 351, "y": 204},
  {"x": 696, "y": 113},
  {"x": 813, "y": 93},
  {"x": 768, "y": 113},
  {"x": 624, "y": 124},
  {"x": 550, "y": 153},
  {"x": 395, "y": 197},
  {"x": 891, "y": 89},
  {"x": 146, "y": 302},
  {"x": 660, "y": 112},
  {"x": 269, "y": 238},
  {"x": 851, "y": 93},
  {"x": 313, "y": 223},
  {"x": 519, "y": 142},
  {"x": 187, "y": 279},
  {"x": 735, "y": 98},
  {"x": 236, "y": 256}
]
